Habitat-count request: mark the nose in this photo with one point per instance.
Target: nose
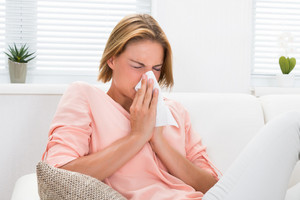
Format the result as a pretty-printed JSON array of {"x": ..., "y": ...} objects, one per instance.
[{"x": 146, "y": 69}]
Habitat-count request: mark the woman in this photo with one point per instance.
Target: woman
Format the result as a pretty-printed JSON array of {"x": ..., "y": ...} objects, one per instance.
[{"x": 112, "y": 136}]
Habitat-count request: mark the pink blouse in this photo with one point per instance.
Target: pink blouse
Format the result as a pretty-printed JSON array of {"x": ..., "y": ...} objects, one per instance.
[{"x": 87, "y": 120}]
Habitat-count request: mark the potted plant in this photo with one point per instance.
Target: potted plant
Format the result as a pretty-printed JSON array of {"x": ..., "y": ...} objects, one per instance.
[
  {"x": 286, "y": 66},
  {"x": 17, "y": 62}
]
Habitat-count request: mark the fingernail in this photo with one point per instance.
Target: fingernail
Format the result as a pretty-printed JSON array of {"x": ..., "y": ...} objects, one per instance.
[
  {"x": 150, "y": 80},
  {"x": 144, "y": 76},
  {"x": 155, "y": 90}
]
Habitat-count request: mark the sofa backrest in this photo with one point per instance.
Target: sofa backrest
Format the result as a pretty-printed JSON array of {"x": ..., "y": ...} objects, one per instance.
[
  {"x": 226, "y": 122},
  {"x": 276, "y": 104}
]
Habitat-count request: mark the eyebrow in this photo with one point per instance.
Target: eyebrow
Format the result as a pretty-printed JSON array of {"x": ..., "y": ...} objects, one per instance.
[{"x": 144, "y": 64}]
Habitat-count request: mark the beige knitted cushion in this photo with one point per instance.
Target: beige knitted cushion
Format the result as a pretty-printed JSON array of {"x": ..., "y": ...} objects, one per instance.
[{"x": 56, "y": 184}]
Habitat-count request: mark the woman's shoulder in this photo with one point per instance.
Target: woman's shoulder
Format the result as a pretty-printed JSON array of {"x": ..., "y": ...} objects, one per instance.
[
  {"x": 85, "y": 88},
  {"x": 175, "y": 106},
  {"x": 80, "y": 84}
]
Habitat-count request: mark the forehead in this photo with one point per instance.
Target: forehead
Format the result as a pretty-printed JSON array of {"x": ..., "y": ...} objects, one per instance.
[{"x": 144, "y": 51}]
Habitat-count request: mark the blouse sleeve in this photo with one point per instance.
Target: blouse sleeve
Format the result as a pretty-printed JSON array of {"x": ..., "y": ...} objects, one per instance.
[
  {"x": 70, "y": 130},
  {"x": 196, "y": 151}
]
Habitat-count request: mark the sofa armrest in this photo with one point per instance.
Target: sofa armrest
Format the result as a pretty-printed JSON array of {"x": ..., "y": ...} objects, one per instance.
[{"x": 26, "y": 188}]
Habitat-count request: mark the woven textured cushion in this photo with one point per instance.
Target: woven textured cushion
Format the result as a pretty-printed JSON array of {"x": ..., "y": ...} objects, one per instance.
[{"x": 55, "y": 183}]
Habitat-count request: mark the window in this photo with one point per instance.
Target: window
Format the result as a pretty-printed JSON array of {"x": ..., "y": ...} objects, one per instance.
[
  {"x": 276, "y": 33},
  {"x": 68, "y": 36}
]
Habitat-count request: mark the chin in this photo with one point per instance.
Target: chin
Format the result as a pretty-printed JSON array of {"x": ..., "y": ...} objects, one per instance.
[{"x": 133, "y": 94}]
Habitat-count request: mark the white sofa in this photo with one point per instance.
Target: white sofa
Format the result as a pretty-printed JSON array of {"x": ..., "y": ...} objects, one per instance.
[{"x": 226, "y": 123}]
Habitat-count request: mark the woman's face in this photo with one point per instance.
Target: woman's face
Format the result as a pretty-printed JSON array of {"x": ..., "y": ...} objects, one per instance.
[{"x": 137, "y": 58}]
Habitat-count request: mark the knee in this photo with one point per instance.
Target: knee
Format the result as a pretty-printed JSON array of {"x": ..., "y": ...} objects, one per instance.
[
  {"x": 292, "y": 116},
  {"x": 290, "y": 123},
  {"x": 289, "y": 119}
]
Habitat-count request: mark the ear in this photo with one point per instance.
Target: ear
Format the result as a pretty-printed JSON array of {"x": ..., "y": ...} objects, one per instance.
[{"x": 111, "y": 62}]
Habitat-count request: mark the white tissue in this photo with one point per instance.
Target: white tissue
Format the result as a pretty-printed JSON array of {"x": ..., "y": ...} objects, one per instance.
[{"x": 163, "y": 115}]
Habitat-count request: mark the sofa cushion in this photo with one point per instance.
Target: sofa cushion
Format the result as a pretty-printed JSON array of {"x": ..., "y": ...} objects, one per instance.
[
  {"x": 55, "y": 183},
  {"x": 26, "y": 188}
]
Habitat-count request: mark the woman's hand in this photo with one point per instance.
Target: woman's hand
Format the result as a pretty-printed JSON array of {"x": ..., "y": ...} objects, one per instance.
[
  {"x": 143, "y": 110},
  {"x": 157, "y": 138}
]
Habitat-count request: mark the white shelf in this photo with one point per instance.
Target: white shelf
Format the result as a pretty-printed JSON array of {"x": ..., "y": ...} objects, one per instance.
[
  {"x": 260, "y": 91},
  {"x": 21, "y": 88}
]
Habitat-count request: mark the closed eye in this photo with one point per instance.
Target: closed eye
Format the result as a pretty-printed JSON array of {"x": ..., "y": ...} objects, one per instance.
[
  {"x": 137, "y": 67},
  {"x": 157, "y": 68}
]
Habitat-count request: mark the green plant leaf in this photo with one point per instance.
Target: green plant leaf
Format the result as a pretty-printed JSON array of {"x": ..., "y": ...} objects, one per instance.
[
  {"x": 16, "y": 49},
  {"x": 292, "y": 63},
  {"x": 15, "y": 58},
  {"x": 26, "y": 50},
  {"x": 9, "y": 56},
  {"x": 12, "y": 51},
  {"x": 22, "y": 50},
  {"x": 19, "y": 55},
  {"x": 284, "y": 65},
  {"x": 28, "y": 55},
  {"x": 30, "y": 59}
]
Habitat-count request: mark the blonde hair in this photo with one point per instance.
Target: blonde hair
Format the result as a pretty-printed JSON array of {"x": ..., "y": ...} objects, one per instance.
[{"x": 135, "y": 28}]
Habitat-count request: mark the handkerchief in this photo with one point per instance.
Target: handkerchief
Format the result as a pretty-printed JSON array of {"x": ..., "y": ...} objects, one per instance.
[{"x": 163, "y": 115}]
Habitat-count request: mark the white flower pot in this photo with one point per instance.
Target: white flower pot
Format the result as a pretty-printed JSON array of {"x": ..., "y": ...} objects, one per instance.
[
  {"x": 17, "y": 72},
  {"x": 285, "y": 80}
]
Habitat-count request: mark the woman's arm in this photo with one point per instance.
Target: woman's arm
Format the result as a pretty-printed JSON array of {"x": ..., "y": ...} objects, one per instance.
[
  {"x": 104, "y": 163},
  {"x": 180, "y": 166}
]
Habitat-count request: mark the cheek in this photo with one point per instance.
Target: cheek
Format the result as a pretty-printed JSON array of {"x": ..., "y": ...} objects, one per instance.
[
  {"x": 126, "y": 75},
  {"x": 136, "y": 79},
  {"x": 133, "y": 78},
  {"x": 157, "y": 74}
]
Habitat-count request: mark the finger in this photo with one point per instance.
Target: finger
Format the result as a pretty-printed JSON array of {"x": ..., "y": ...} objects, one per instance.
[
  {"x": 148, "y": 94},
  {"x": 158, "y": 130},
  {"x": 136, "y": 95},
  {"x": 141, "y": 92},
  {"x": 154, "y": 100},
  {"x": 134, "y": 100}
]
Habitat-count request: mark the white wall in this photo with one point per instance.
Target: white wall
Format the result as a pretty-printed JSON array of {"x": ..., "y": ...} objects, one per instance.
[{"x": 211, "y": 43}]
